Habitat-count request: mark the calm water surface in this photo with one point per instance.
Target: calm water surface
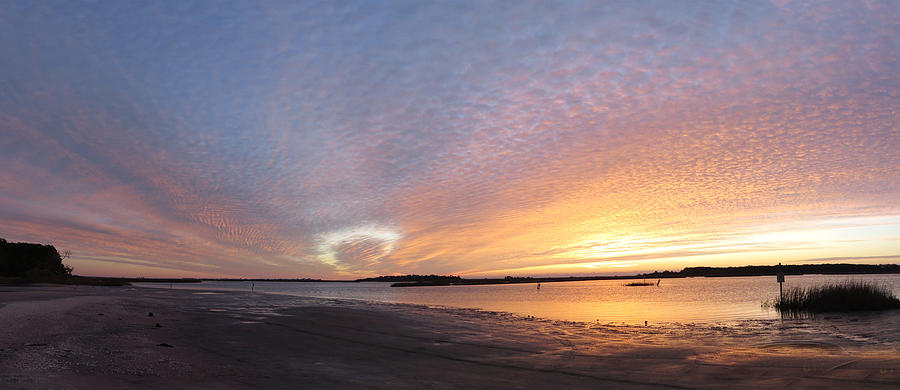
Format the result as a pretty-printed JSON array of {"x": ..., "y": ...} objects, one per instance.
[{"x": 687, "y": 300}]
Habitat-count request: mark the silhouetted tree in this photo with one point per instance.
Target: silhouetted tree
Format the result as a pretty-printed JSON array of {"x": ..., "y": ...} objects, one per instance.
[{"x": 22, "y": 259}]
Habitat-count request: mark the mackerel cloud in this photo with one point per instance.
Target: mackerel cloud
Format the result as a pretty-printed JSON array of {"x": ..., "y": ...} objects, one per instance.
[{"x": 330, "y": 139}]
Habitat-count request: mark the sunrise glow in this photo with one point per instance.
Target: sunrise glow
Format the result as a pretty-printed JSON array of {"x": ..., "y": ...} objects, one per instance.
[{"x": 326, "y": 140}]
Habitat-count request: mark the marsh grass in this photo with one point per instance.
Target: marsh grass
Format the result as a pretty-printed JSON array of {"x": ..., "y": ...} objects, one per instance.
[{"x": 843, "y": 297}]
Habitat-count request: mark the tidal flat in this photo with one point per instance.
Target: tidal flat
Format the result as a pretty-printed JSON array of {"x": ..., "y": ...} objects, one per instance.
[{"x": 130, "y": 337}]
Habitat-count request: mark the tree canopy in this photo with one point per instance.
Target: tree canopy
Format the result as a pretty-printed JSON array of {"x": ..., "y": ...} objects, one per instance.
[{"x": 23, "y": 259}]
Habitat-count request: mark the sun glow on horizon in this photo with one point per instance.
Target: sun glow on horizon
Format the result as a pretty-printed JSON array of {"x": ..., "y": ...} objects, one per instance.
[{"x": 810, "y": 240}]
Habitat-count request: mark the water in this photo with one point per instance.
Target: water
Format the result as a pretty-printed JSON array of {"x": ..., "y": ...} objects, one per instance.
[{"x": 686, "y": 300}]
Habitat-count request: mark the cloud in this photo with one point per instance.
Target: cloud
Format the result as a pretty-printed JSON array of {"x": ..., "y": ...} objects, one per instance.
[{"x": 323, "y": 140}]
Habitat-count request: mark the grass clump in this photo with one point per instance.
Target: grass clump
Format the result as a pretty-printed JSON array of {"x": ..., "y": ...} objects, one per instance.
[{"x": 844, "y": 297}]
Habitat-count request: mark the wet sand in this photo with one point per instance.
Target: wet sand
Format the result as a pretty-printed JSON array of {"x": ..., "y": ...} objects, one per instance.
[{"x": 104, "y": 337}]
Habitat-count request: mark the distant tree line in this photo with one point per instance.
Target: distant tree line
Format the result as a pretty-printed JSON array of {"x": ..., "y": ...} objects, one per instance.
[
  {"x": 519, "y": 278},
  {"x": 413, "y": 278},
  {"x": 33, "y": 261},
  {"x": 796, "y": 269}
]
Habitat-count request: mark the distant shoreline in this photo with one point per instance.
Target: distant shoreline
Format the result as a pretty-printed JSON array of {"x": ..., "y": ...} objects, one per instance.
[
  {"x": 690, "y": 272},
  {"x": 441, "y": 280},
  {"x": 469, "y": 282}
]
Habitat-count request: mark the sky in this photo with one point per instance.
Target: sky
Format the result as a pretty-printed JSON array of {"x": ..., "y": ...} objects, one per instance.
[{"x": 336, "y": 139}]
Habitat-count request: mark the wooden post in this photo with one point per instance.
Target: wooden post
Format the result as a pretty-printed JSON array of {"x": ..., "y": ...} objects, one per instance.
[
  {"x": 781, "y": 288},
  {"x": 780, "y": 278}
]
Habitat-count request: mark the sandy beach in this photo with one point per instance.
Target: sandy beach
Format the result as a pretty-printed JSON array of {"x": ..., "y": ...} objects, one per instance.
[{"x": 126, "y": 337}]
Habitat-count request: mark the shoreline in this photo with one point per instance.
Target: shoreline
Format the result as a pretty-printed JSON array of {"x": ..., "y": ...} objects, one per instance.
[
  {"x": 80, "y": 337},
  {"x": 439, "y": 280}
]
